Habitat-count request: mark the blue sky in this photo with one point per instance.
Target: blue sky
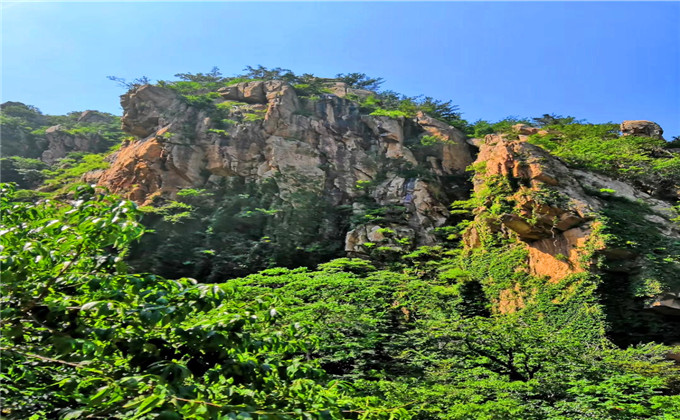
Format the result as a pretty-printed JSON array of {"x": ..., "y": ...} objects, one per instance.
[{"x": 602, "y": 62}]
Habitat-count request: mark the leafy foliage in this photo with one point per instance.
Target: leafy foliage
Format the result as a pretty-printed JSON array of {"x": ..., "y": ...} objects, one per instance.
[
  {"x": 70, "y": 169},
  {"x": 138, "y": 82},
  {"x": 239, "y": 229},
  {"x": 393, "y": 104},
  {"x": 25, "y": 172},
  {"x": 436, "y": 332},
  {"x": 80, "y": 337},
  {"x": 598, "y": 147},
  {"x": 481, "y": 128},
  {"x": 417, "y": 342}
]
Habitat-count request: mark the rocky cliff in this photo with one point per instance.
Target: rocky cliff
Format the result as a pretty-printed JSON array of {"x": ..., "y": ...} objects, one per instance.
[
  {"x": 245, "y": 176},
  {"x": 319, "y": 170},
  {"x": 572, "y": 224}
]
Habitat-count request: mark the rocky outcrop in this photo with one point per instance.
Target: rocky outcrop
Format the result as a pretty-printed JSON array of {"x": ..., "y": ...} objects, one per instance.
[
  {"x": 60, "y": 142},
  {"x": 342, "y": 90},
  {"x": 262, "y": 132},
  {"x": 95, "y": 117},
  {"x": 552, "y": 212},
  {"x": 564, "y": 218},
  {"x": 148, "y": 109},
  {"x": 29, "y": 133},
  {"x": 667, "y": 304},
  {"x": 555, "y": 206},
  {"x": 641, "y": 128}
]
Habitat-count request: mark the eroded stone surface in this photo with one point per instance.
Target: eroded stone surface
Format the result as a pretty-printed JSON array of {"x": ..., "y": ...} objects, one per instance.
[
  {"x": 641, "y": 128},
  {"x": 60, "y": 143},
  {"x": 325, "y": 147}
]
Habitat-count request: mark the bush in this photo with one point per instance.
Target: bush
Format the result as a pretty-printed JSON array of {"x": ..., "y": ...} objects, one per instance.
[
  {"x": 81, "y": 337},
  {"x": 71, "y": 169},
  {"x": 392, "y": 114}
]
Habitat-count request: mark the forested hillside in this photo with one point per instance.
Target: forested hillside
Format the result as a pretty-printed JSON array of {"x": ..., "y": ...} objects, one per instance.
[{"x": 276, "y": 246}]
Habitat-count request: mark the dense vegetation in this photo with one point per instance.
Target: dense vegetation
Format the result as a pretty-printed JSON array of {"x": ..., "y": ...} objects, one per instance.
[
  {"x": 83, "y": 338},
  {"x": 409, "y": 334},
  {"x": 236, "y": 230}
]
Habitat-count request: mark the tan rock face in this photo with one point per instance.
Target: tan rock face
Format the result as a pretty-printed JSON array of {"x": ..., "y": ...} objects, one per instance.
[
  {"x": 519, "y": 159},
  {"x": 641, "y": 128},
  {"x": 525, "y": 130},
  {"x": 135, "y": 170},
  {"x": 454, "y": 148},
  {"x": 553, "y": 213},
  {"x": 323, "y": 147},
  {"x": 147, "y": 109},
  {"x": 510, "y": 300},
  {"x": 558, "y": 257},
  {"x": 94, "y": 117}
]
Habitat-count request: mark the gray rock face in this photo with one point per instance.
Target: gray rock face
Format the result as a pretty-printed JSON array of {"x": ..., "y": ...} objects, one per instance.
[
  {"x": 60, "y": 143},
  {"x": 148, "y": 108},
  {"x": 667, "y": 304},
  {"x": 324, "y": 147}
]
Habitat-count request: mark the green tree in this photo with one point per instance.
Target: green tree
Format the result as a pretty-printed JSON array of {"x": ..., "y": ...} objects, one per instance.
[
  {"x": 360, "y": 81},
  {"x": 81, "y": 338},
  {"x": 213, "y": 76},
  {"x": 138, "y": 82},
  {"x": 553, "y": 119},
  {"x": 263, "y": 73}
]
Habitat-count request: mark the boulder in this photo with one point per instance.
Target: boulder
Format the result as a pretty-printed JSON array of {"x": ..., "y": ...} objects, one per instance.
[
  {"x": 94, "y": 117},
  {"x": 148, "y": 108},
  {"x": 641, "y": 128},
  {"x": 525, "y": 130},
  {"x": 342, "y": 90},
  {"x": 667, "y": 304}
]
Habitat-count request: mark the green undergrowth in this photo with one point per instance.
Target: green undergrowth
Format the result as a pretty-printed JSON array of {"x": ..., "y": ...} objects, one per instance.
[
  {"x": 25, "y": 172},
  {"x": 69, "y": 171},
  {"x": 83, "y": 337},
  {"x": 660, "y": 254}
]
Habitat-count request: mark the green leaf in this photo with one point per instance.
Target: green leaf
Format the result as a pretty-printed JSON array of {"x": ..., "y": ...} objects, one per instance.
[
  {"x": 148, "y": 404},
  {"x": 73, "y": 414}
]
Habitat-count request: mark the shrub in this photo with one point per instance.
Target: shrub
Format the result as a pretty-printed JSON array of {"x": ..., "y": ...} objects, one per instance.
[
  {"x": 72, "y": 168},
  {"x": 392, "y": 114},
  {"x": 428, "y": 140}
]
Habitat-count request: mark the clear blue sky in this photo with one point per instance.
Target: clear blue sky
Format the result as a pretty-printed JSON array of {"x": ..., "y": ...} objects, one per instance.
[{"x": 596, "y": 61}]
